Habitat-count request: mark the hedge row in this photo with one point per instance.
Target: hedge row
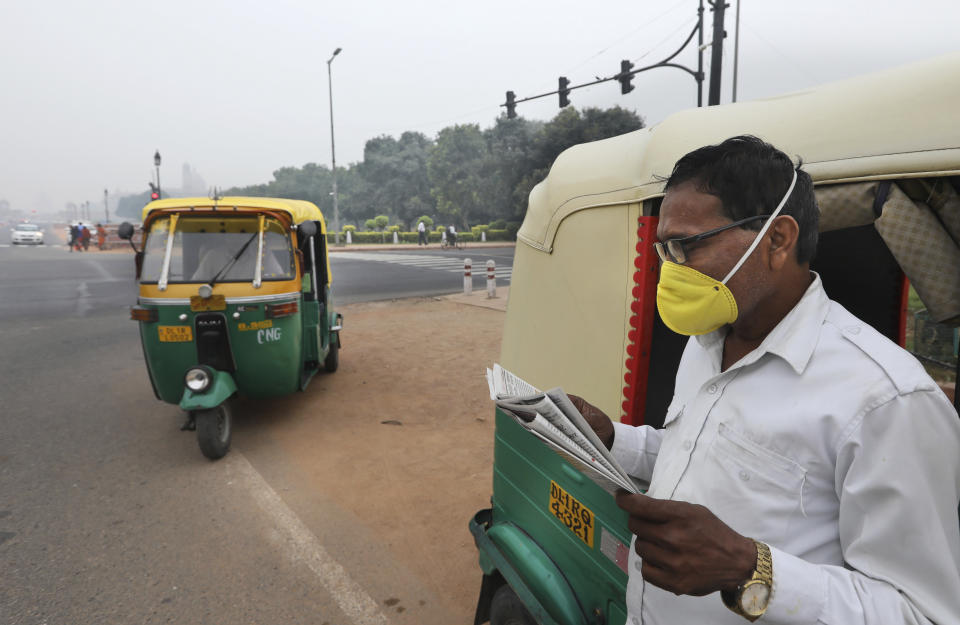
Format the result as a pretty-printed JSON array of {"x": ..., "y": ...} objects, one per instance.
[{"x": 413, "y": 237}]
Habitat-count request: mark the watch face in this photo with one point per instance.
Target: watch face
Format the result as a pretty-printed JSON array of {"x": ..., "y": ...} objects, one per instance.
[{"x": 753, "y": 600}]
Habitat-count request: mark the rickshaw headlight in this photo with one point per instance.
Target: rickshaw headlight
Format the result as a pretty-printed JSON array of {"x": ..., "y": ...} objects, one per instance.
[{"x": 198, "y": 379}]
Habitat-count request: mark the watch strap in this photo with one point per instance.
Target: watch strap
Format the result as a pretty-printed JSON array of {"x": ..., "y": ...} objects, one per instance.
[{"x": 763, "y": 574}]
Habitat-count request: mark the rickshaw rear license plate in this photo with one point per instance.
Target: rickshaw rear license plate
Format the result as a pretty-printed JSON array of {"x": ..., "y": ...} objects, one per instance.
[
  {"x": 204, "y": 304},
  {"x": 574, "y": 515},
  {"x": 175, "y": 334}
]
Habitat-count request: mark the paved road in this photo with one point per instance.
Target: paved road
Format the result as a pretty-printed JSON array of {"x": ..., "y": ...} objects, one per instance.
[
  {"x": 366, "y": 276},
  {"x": 109, "y": 515}
]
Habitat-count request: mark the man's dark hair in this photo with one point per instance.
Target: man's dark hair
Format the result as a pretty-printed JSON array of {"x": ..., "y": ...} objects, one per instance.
[{"x": 750, "y": 177}]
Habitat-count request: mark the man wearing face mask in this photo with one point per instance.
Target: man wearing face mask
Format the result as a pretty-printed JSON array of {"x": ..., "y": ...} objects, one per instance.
[{"x": 808, "y": 470}]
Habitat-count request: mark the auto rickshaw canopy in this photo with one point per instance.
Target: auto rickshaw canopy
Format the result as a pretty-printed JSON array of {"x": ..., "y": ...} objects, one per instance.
[{"x": 299, "y": 210}]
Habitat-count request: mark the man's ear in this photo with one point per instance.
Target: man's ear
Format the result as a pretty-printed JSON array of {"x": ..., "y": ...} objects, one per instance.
[{"x": 783, "y": 235}]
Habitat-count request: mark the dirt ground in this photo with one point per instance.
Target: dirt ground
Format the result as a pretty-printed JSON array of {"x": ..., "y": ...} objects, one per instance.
[{"x": 407, "y": 425}]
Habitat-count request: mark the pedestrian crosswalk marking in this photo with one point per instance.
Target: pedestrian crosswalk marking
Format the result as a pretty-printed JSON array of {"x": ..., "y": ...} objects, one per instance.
[{"x": 451, "y": 265}]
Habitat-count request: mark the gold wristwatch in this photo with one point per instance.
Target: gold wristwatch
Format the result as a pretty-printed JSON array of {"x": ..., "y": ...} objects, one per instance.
[{"x": 751, "y": 598}]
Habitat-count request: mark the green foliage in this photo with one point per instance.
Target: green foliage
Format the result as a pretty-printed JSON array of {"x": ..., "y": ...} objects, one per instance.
[
  {"x": 370, "y": 224},
  {"x": 350, "y": 228},
  {"x": 393, "y": 228},
  {"x": 455, "y": 169},
  {"x": 426, "y": 219},
  {"x": 381, "y": 221},
  {"x": 476, "y": 230},
  {"x": 466, "y": 175}
]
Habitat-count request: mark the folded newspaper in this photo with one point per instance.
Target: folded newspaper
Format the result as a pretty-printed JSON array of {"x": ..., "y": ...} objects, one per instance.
[{"x": 552, "y": 417}]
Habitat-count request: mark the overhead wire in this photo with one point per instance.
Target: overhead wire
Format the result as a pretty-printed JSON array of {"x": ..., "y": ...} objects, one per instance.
[
  {"x": 794, "y": 63},
  {"x": 645, "y": 25}
]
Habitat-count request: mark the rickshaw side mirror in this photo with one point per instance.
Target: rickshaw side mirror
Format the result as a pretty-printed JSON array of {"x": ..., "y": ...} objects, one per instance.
[
  {"x": 125, "y": 231},
  {"x": 138, "y": 261},
  {"x": 307, "y": 229}
]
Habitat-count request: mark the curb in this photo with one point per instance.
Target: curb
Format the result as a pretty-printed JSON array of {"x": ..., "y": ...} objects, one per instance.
[
  {"x": 364, "y": 247},
  {"x": 480, "y": 299}
]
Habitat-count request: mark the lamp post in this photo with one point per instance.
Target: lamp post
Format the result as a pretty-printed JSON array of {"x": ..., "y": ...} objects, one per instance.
[
  {"x": 333, "y": 151},
  {"x": 156, "y": 162},
  {"x": 106, "y": 207}
]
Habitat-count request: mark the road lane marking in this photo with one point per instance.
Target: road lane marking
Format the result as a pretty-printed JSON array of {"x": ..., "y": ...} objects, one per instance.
[
  {"x": 299, "y": 544},
  {"x": 101, "y": 269},
  {"x": 450, "y": 265}
]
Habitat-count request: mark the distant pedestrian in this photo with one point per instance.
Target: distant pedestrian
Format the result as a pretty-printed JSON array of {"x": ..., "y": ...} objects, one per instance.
[
  {"x": 421, "y": 233},
  {"x": 85, "y": 237},
  {"x": 73, "y": 237},
  {"x": 101, "y": 236}
]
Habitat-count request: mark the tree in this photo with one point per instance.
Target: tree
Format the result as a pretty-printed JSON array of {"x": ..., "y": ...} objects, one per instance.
[
  {"x": 370, "y": 224},
  {"x": 454, "y": 168},
  {"x": 381, "y": 221}
]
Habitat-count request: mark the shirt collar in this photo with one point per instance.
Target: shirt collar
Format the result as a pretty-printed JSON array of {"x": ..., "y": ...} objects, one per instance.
[{"x": 793, "y": 339}]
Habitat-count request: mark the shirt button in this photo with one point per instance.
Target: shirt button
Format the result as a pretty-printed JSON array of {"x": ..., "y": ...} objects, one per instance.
[
  {"x": 687, "y": 445},
  {"x": 712, "y": 389},
  {"x": 637, "y": 565},
  {"x": 744, "y": 475}
]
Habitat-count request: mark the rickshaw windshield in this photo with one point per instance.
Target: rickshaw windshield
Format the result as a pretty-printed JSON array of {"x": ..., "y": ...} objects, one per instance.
[{"x": 204, "y": 247}]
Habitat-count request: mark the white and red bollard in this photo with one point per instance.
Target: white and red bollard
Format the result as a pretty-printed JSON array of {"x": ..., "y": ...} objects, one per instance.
[
  {"x": 491, "y": 279},
  {"x": 467, "y": 276}
]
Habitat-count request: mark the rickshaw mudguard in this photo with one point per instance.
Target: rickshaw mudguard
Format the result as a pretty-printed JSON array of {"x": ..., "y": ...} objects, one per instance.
[
  {"x": 221, "y": 388},
  {"x": 527, "y": 569}
]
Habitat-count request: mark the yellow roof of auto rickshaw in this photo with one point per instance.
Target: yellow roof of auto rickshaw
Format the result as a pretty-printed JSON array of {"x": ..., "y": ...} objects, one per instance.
[
  {"x": 902, "y": 122},
  {"x": 299, "y": 210}
]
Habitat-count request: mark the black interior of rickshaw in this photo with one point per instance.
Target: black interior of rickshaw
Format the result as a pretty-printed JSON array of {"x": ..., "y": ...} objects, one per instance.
[
  {"x": 320, "y": 251},
  {"x": 857, "y": 270}
]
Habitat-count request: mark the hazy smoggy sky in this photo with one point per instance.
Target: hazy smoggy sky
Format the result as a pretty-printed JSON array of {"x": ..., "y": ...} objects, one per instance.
[{"x": 89, "y": 90}]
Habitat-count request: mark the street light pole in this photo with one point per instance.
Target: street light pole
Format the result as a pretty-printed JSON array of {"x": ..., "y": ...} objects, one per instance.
[
  {"x": 106, "y": 207},
  {"x": 333, "y": 151},
  {"x": 156, "y": 162}
]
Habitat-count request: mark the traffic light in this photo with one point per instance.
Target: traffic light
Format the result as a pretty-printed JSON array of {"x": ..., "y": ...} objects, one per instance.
[
  {"x": 511, "y": 105},
  {"x": 154, "y": 191},
  {"x": 564, "y": 92},
  {"x": 625, "y": 77}
]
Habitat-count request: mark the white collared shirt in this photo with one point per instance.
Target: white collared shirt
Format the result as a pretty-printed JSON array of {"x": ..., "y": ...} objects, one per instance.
[{"x": 832, "y": 445}]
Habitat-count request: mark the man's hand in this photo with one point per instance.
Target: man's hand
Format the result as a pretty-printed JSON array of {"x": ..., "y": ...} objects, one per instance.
[
  {"x": 600, "y": 422},
  {"x": 685, "y": 548}
]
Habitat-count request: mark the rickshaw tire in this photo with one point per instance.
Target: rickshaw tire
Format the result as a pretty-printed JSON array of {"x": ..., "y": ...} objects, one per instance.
[
  {"x": 214, "y": 431},
  {"x": 507, "y": 609},
  {"x": 332, "y": 361}
]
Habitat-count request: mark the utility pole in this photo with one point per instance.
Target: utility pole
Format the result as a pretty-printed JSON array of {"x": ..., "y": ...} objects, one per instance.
[
  {"x": 736, "y": 52},
  {"x": 106, "y": 208},
  {"x": 716, "y": 56},
  {"x": 333, "y": 151},
  {"x": 700, "y": 55}
]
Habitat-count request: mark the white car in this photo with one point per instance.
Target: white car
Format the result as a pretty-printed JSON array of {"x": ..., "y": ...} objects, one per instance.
[{"x": 27, "y": 234}]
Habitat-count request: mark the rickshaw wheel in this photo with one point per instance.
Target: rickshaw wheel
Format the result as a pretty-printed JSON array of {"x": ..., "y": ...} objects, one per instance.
[
  {"x": 332, "y": 361},
  {"x": 214, "y": 429},
  {"x": 507, "y": 609}
]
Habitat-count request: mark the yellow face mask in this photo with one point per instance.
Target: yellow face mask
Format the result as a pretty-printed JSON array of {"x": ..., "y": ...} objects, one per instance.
[{"x": 692, "y": 303}]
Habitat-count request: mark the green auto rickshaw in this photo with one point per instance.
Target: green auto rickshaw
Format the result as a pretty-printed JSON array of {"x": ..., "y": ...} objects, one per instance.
[{"x": 234, "y": 301}]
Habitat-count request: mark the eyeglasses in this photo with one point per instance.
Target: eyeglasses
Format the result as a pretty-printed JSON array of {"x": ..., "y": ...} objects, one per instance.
[{"x": 675, "y": 250}]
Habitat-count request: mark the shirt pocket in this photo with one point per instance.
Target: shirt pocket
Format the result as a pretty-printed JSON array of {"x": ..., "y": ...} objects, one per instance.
[{"x": 756, "y": 490}]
